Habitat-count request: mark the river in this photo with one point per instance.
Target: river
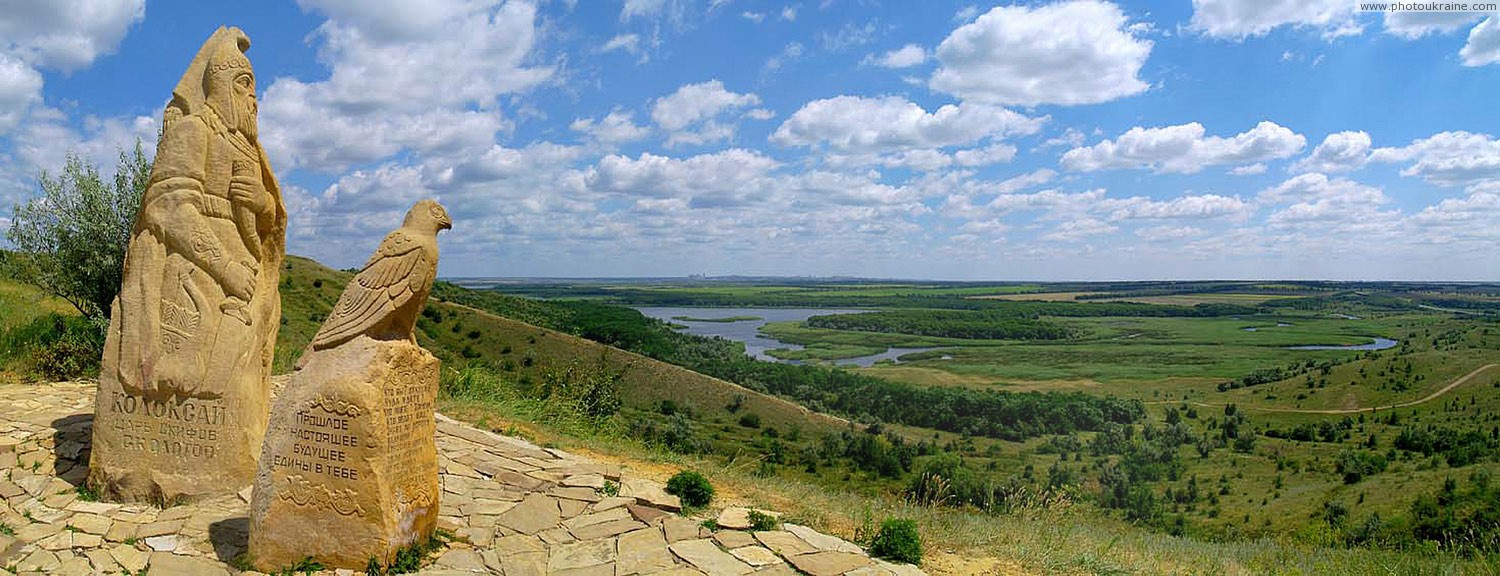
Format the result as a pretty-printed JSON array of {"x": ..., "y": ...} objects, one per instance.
[{"x": 748, "y": 331}]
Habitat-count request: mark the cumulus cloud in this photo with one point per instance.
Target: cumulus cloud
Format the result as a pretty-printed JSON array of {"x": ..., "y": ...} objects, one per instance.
[
  {"x": 614, "y": 128},
  {"x": 1447, "y": 158},
  {"x": 1239, "y": 19},
  {"x": 66, "y": 35},
  {"x": 728, "y": 172},
  {"x": 1483, "y": 47},
  {"x": 1167, "y": 233},
  {"x": 1412, "y": 25},
  {"x": 857, "y": 124},
  {"x": 1184, "y": 149},
  {"x": 63, "y": 35},
  {"x": 1073, "y": 52},
  {"x": 431, "y": 88},
  {"x": 1339, "y": 152},
  {"x": 690, "y": 113},
  {"x": 1189, "y": 207},
  {"x": 1074, "y": 230},
  {"x": 903, "y": 57},
  {"x": 1248, "y": 169}
]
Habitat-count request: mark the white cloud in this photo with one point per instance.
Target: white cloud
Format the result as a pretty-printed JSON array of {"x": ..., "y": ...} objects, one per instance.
[
  {"x": 66, "y": 35},
  {"x": 615, "y": 128},
  {"x": 1483, "y": 47},
  {"x": 1167, "y": 233},
  {"x": 789, "y": 13},
  {"x": 1074, "y": 230},
  {"x": 859, "y": 124},
  {"x": 1248, "y": 169},
  {"x": 62, "y": 35},
  {"x": 1461, "y": 219},
  {"x": 642, "y": 9},
  {"x": 1184, "y": 149},
  {"x": 756, "y": 17},
  {"x": 1190, "y": 207},
  {"x": 1317, "y": 187},
  {"x": 760, "y": 114},
  {"x": 1411, "y": 25},
  {"x": 693, "y": 103},
  {"x": 1239, "y": 19},
  {"x": 630, "y": 43},
  {"x": 20, "y": 88},
  {"x": 433, "y": 88},
  {"x": 992, "y": 154},
  {"x": 1339, "y": 152},
  {"x": 848, "y": 36},
  {"x": 731, "y": 171},
  {"x": 903, "y": 57},
  {"x": 792, "y": 52},
  {"x": 1073, "y": 52},
  {"x": 1448, "y": 158},
  {"x": 690, "y": 113}
]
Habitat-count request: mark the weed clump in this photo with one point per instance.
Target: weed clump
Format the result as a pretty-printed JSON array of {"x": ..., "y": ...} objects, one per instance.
[
  {"x": 898, "y": 541},
  {"x": 692, "y": 488}
]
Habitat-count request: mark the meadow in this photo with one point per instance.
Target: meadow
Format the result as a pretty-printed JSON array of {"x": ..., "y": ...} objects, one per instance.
[{"x": 1223, "y": 450}]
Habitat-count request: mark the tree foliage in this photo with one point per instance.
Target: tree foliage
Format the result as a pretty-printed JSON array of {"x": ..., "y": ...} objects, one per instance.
[{"x": 71, "y": 240}]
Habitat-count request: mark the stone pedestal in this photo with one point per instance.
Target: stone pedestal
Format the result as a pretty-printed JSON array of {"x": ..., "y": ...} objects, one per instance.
[{"x": 349, "y": 469}]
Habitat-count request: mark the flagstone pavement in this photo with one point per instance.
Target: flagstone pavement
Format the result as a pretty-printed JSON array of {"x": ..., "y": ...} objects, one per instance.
[{"x": 514, "y": 509}]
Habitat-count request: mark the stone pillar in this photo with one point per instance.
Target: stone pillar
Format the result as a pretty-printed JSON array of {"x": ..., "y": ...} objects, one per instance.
[
  {"x": 184, "y": 384},
  {"x": 349, "y": 470}
]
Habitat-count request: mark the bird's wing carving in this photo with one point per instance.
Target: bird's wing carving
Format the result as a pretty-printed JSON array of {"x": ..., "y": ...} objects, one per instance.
[{"x": 394, "y": 274}]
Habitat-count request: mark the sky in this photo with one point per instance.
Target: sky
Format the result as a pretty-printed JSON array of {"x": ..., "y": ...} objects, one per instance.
[{"x": 1064, "y": 140}]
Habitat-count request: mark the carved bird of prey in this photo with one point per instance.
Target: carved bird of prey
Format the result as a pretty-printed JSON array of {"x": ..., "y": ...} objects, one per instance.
[{"x": 385, "y": 298}]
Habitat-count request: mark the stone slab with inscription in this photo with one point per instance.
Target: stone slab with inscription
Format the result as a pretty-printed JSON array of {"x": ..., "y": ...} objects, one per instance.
[{"x": 349, "y": 471}]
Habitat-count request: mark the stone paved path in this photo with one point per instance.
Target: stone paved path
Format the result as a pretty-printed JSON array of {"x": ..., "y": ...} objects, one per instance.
[{"x": 516, "y": 509}]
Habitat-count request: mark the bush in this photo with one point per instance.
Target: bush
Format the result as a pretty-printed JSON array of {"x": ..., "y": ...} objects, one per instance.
[
  {"x": 750, "y": 420},
  {"x": 762, "y": 522},
  {"x": 71, "y": 240},
  {"x": 692, "y": 488},
  {"x": 56, "y": 347},
  {"x": 898, "y": 541}
]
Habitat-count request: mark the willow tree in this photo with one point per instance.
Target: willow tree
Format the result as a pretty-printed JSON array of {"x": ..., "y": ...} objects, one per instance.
[{"x": 70, "y": 240}]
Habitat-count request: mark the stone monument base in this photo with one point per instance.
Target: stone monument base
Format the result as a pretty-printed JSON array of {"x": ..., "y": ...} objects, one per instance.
[{"x": 349, "y": 468}]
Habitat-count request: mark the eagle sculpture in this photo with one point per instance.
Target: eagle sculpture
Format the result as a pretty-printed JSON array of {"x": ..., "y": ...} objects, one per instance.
[{"x": 387, "y": 295}]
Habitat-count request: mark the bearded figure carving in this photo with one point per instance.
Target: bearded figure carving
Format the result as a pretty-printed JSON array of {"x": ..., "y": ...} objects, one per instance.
[{"x": 184, "y": 390}]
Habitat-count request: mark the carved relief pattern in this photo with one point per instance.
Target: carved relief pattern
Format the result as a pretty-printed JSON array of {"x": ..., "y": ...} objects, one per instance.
[{"x": 318, "y": 496}]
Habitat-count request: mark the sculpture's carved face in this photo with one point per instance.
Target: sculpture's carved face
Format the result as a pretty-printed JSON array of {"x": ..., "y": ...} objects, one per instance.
[{"x": 245, "y": 107}]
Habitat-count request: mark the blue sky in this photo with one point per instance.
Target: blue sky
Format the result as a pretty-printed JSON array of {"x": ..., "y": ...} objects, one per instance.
[{"x": 1074, "y": 140}]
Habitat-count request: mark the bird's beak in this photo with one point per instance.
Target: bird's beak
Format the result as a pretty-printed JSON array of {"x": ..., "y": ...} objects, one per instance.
[{"x": 446, "y": 225}]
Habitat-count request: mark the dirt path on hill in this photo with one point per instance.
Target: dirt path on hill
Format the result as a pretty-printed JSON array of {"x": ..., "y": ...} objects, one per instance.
[{"x": 1433, "y": 396}]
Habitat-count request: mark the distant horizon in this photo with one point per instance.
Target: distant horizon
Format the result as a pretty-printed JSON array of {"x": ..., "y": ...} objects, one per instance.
[{"x": 457, "y": 279}]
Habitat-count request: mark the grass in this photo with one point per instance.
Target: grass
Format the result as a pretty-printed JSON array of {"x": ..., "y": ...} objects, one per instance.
[{"x": 1061, "y": 537}]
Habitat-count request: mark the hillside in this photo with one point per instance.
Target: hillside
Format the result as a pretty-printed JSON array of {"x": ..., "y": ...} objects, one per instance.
[{"x": 459, "y": 335}]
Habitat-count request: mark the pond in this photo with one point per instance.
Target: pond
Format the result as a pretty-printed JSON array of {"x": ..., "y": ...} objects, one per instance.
[{"x": 736, "y": 324}]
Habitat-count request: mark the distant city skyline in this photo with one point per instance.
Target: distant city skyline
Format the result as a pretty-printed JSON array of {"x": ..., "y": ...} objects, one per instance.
[{"x": 1044, "y": 141}]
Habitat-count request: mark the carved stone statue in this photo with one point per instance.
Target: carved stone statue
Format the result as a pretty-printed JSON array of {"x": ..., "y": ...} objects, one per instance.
[
  {"x": 349, "y": 469},
  {"x": 184, "y": 386}
]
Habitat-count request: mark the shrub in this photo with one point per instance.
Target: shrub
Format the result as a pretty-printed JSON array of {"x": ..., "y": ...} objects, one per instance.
[
  {"x": 692, "y": 488},
  {"x": 56, "y": 347},
  {"x": 762, "y": 522},
  {"x": 750, "y": 420},
  {"x": 71, "y": 240},
  {"x": 898, "y": 541}
]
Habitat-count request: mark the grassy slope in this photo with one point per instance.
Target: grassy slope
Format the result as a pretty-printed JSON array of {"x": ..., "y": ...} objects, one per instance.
[{"x": 501, "y": 342}]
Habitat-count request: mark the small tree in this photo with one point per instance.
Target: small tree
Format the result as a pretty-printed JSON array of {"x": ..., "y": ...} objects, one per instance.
[{"x": 71, "y": 241}]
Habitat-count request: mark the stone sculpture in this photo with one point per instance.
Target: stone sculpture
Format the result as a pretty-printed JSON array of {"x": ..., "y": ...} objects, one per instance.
[
  {"x": 349, "y": 469},
  {"x": 185, "y": 381}
]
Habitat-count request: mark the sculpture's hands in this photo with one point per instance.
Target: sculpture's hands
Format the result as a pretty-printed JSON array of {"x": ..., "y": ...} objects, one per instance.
[
  {"x": 246, "y": 188},
  {"x": 239, "y": 280}
]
